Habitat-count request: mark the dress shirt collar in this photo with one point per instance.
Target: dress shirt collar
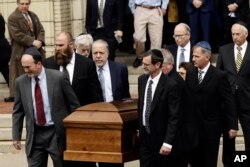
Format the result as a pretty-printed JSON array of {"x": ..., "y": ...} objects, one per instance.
[
  {"x": 155, "y": 79},
  {"x": 205, "y": 68},
  {"x": 41, "y": 75}
]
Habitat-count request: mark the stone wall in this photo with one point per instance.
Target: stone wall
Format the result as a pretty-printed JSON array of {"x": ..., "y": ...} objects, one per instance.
[{"x": 55, "y": 15}]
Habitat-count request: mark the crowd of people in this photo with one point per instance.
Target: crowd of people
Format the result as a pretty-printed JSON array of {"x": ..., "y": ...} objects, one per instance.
[{"x": 185, "y": 103}]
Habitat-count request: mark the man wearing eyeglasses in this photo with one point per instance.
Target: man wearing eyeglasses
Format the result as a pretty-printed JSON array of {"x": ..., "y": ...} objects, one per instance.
[
  {"x": 182, "y": 49},
  {"x": 25, "y": 30}
]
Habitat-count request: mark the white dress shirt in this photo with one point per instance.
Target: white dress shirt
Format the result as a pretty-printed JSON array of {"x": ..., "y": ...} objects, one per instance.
[
  {"x": 70, "y": 67},
  {"x": 187, "y": 50}
]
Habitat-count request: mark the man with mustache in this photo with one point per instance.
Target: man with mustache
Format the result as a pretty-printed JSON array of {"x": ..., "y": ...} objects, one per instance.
[{"x": 81, "y": 72}]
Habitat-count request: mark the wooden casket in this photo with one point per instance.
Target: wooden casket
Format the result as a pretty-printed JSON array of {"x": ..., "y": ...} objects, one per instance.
[{"x": 103, "y": 132}]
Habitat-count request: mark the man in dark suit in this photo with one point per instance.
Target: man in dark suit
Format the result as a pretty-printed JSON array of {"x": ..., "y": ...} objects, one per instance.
[
  {"x": 114, "y": 83},
  {"x": 158, "y": 107},
  {"x": 183, "y": 45},
  {"x": 5, "y": 51},
  {"x": 44, "y": 111},
  {"x": 200, "y": 15},
  {"x": 104, "y": 20},
  {"x": 233, "y": 11},
  {"x": 210, "y": 92},
  {"x": 81, "y": 70},
  {"x": 116, "y": 86},
  {"x": 25, "y": 30},
  {"x": 238, "y": 77}
]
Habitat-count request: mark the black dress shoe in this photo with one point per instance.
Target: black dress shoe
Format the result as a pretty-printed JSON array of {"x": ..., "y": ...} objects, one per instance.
[
  {"x": 9, "y": 99},
  {"x": 137, "y": 62}
]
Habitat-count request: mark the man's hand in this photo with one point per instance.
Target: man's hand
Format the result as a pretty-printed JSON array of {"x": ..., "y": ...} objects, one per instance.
[
  {"x": 17, "y": 144},
  {"x": 165, "y": 150},
  {"x": 37, "y": 44},
  {"x": 118, "y": 33},
  {"x": 232, "y": 7},
  {"x": 197, "y": 3},
  {"x": 232, "y": 133},
  {"x": 163, "y": 11}
]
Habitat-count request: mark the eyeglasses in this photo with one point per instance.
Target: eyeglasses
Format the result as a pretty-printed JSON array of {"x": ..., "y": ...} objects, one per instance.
[{"x": 179, "y": 36}]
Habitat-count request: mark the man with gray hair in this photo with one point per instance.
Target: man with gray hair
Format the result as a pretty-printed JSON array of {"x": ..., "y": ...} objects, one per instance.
[
  {"x": 83, "y": 44},
  {"x": 212, "y": 99},
  {"x": 182, "y": 49},
  {"x": 234, "y": 60}
]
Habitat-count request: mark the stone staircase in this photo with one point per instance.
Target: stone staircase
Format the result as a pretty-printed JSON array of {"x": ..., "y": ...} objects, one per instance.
[{"x": 5, "y": 119}]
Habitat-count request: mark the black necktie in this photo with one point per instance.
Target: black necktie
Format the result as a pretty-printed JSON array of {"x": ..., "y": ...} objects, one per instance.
[
  {"x": 148, "y": 105},
  {"x": 39, "y": 104}
]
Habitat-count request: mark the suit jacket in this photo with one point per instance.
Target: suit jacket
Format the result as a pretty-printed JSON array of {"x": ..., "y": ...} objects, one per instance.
[
  {"x": 62, "y": 101},
  {"x": 112, "y": 16},
  {"x": 164, "y": 116},
  {"x": 209, "y": 97},
  {"x": 187, "y": 132},
  {"x": 207, "y": 6},
  {"x": 242, "y": 10},
  {"x": 173, "y": 49},
  {"x": 85, "y": 81},
  {"x": 119, "y": 80},
  {"x": 5, "y": 47},
  {"x": 20, "y": 34},
  {"x": 226, "y": 62}
]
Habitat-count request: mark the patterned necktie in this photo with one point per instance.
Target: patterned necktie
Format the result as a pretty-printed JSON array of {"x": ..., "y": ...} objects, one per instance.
[
  {"x": 102, "y": 81},
  {"x": 148, "y": 105},
  {"x": 182, "y": 56},
  {"x": 238, "y": 59},
  {"x": 101, "y": 7},
  {"x": 200, "y": 76},
  {"x": 39, "y": 104},
  {"x": 26, "y": 16}
]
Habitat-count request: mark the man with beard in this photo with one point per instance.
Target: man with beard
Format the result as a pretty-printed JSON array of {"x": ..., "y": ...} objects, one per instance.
[
  {"x": 81, "y": 72},
  {"x": 158, "y": 107}
]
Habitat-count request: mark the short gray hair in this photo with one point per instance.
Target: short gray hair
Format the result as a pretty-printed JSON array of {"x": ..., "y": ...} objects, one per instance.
[{"x": 85, "y": 39}]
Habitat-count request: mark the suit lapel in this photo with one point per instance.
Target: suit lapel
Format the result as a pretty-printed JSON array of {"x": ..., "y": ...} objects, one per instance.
[
  {"x": 208, "y": 75},
  {"x": 158, "y": 91},
  {"x": 143, "y": 89},
  {"x": 50, "y": 86},
  {"x": 246, "y": 56},
  {"x": 28, "y": 93},
  {"x": 112, "y": 76}
]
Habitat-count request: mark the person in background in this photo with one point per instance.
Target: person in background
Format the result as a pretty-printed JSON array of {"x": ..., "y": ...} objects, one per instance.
[
  {"x": 158, "y": 108},
  {"x": 182, "y": 49},
  {"x": 213, "y": 101},
  {"x": 25, "y": 30},
  {"x": 83, "y": 44},
  {"x": 105, "y": 20},
  {"x": 200, "y": 14},
  {"x": 183, "y": 68},
  {"x": 186, "y": 138},
  {"x": 82, "y": 75},
  {"x": 234, "y": 58},
  {"x": 5, "y": 51},
  {"x": 148, "y": 15},
  {"x": 44, "y": 98},
  {"x": 114, "y": 79}
]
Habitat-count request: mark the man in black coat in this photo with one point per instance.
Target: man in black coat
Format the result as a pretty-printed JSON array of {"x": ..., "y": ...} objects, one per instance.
[
  {"x": 81, "y": 72},
  {"x": 240, "y": 84},
  {"x": 158, "y": 107},
  {"x": 5, "y": 51},
  {"x": 211, "y": 96}
]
